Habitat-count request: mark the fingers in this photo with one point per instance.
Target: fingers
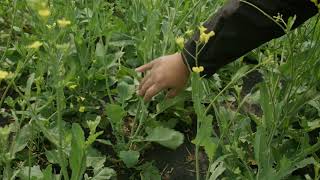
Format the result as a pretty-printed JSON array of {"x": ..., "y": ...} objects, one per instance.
[
  {"x": 148, "y": 83},
  {"x": 152, "y": 91},
  {"x": 145, "y": 67},
  {"x": 172, "y": 93},
  {"x": 144, "y": 80}
]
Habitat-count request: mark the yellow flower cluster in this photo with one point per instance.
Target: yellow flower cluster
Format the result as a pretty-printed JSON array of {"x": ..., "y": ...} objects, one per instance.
[
  {"x": 62, "y": 23},
  {"x": 198, "y": 69},
  {"x": 180, "y": 42},
  {"x": 204, "y": 37},
  {"x": 5, "y": 75},
  {"x": 43, "y": 10},
  {"x": 35, "y": 45},
  {"x": 82, "y": 109}
]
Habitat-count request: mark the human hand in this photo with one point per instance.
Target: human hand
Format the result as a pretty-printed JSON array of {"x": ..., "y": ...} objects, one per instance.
[{"x": 167, "y": 72}]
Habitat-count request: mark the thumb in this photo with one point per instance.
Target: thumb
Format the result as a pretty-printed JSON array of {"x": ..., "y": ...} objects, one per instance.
[{"x": 172, "y": 93}]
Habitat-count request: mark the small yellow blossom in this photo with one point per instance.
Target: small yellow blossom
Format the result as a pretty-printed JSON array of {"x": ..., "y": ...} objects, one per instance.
[
  {"x": 63, "y": 23},
  {"x": 82, "y": 109},
  {"x": 82, "y": 98},
  {"x": 180, "y": 42},
  {"x": 204, "y": 38},
  {"x": 35, "y": 45},
  {"x": 198, "y": 69},
  {"x": 202, "y": 29},
  {"x": 44, "y": 12},
  {"x": 3, "y": 74}
]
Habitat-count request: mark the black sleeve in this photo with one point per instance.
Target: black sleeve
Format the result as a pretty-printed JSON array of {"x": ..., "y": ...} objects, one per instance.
[{"x": 240, "y": 28}]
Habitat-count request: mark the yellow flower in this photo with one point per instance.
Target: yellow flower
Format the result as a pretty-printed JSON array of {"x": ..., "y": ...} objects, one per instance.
[
  {"x": 44, "y": 12},
  {"x": 3, "y": 74},
  {"x": 198, "y": 69},
  {"x": 63, "y": 23},
  {"x": 202, "y": 29},
  {"x": 35, "y": 45},
  {"x": 180, "y": 42},
  {"x": 204, "y": 38},
  {"x": 82, "y": 109}
]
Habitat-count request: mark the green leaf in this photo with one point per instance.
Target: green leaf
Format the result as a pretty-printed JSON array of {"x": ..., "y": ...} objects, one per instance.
[
  {"x": 103, "y": 174},
  {"x": 204, "y": 137},
  {"x": 125, "y": 91},
  {"x": 95, "y": 159},
  {"x": 94, "y": 124},
  {"x": 287, "y": 166},
  {"x": 130, "y": 158},
  {"x": 216, "y": 169},
  {"x": 47, "y": 173},
  {"x": 105, "y": 142},
  {"x": 164, "y": 105},
  {"x": 166, "y": 137},
  {"x": 115, "y": 113},
  {"x": 93, "y": 138},
  {"x": 78, "y": 156},
  {"x": 149, "y": 172},
  {"x": 52, "y": 156},
  {"x": 35, "y": 173},
  {"x": 100, "y": 51},
  {"x": 240, "y": 73},
  {"x": 29, "y": 85},
  {"x": 266, "y": 106},
  {"x": 22, "y": 139}
]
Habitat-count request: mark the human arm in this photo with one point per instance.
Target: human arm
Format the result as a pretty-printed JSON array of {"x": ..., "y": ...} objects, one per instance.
[{"x": 239, "y": 28}]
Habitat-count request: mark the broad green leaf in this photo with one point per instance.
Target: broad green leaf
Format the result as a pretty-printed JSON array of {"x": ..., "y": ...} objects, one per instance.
[
  {"x": 77, "y": 155},
  {"x": 164, "y": 105},
  {"x": 35, "y": 173},
  {"x": 125, "y": 91},
  {"x": 100, "y": 51},
  {"x": 115, "y": 113},
  {"x": 315, "y": 124},
  {"x": 130, "y": 158},
  {"x": 204, "y": 137},
  {"x": 149, "y": 172},
  {"x": 52, "y": 156},
  {"x": 47, "y": 173},
  {"x": 22, "y": 139},
  {"x": 103, "y": 174},
  {"x": 166, "y": 137}
]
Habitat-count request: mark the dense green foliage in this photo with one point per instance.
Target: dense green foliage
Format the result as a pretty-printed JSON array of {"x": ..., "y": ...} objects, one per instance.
[{"x": 69, "y": 108}]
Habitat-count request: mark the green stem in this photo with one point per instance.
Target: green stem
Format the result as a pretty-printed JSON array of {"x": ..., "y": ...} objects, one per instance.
[{"x": 59, "y": 99}]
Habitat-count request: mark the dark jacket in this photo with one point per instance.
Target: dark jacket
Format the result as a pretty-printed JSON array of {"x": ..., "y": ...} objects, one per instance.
[{"x": 240, "y": 28}]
